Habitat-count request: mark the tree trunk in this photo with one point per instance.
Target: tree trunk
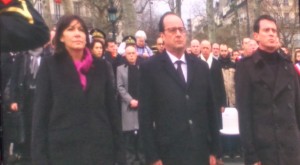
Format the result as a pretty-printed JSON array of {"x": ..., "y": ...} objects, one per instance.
[
  {"x": 178, "y": 7},
  {"x": 46, "y": 13},
  {"x": 211, "y": 22},
  {"x": 129, "y": 19},
  {"x": 67, "y": 5}
]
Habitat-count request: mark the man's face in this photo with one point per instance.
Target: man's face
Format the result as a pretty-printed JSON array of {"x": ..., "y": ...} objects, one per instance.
[
  {"x": 267, "y": 36},
  {"x": 205, "y": 49},
  {"x": 216, "y": 49},
  {"x": 160, "y": 45},
  {"x": 223, "y": 51},
  {"x": 131, "y": 54},
  {"x": 174, "y": 34},
  {"x": 195, "y": 47},
  {"x": 112, "y": 48},
  {"x": 140, "y": 41},
  {"x": 250, "y": 48}
]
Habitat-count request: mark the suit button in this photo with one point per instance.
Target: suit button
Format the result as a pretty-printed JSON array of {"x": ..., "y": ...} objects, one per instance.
[
  {"x": 289, "y": 86},
  {"x": 191, "y": 122},
  {"x": 286, "y": 67},
  {"x": 187, "y": 97},
  {"x": 274, "y": 106}
]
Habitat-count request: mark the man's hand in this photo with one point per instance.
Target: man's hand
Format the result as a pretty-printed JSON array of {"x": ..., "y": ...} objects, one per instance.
[
  {"x": 212, "y": 160},
  {"x": 14, "y": 107},
  {"x": 159, "y": 162},
  {"x": 134, "y": 103},
  {"x": 222, "y": 109}
]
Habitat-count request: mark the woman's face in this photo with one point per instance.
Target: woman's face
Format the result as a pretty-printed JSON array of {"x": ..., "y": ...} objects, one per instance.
[
  {"x": 74, "y": 37},
  {"x": 298, "y": 56},
  {"x": 97, "y": 50}
]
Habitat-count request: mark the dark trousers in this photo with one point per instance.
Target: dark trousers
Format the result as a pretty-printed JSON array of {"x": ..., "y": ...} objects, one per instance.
[{"x": 133, "y": 147}]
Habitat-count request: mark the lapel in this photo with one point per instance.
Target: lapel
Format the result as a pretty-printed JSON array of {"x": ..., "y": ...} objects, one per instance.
[
  {"x": 169, "y": 67},
  {"x": 283, "y": 77},
  {"x": 70, "y": 74},
  {"x": 263, "y": 72},
  {"x": 190, "y": 69}
]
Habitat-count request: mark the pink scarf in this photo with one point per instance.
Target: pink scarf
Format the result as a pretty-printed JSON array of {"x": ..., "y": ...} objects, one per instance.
[{"x": 83, "y": 67}]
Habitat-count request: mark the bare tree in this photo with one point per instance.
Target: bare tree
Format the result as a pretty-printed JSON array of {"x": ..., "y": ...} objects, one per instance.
[{"x": 287, "y": 17}]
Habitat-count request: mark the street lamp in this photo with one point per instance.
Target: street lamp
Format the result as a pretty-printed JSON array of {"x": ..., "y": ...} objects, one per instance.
[{"x": 112, "y": 12}]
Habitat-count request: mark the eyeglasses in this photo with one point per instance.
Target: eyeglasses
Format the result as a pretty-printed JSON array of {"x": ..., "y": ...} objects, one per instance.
[
  {"x": 160, "y": 43},
  {"x": 173, "y": 30}
]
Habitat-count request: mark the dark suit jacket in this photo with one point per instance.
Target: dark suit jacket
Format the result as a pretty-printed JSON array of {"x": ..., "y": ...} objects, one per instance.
[
  {"x": 269, "y": 111},
  {"x": 70, "y": 125},
  {"x": 177, "y": 120}
]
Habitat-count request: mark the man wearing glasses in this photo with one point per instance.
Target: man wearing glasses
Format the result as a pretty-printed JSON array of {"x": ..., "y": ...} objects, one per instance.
[
  {"x": 177, "y": 120},
  {"x": 160, "y": 45}
]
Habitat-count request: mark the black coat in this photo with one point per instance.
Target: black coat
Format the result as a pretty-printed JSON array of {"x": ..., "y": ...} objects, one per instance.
[
  {"x": 218, "y": 88},
  {"x": 269, "y": 119},
  {"x": 177, "y": 120},
  {"x": 70, "y": 125}
]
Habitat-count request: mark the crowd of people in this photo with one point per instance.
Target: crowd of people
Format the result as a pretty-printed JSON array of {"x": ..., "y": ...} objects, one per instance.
[{"x": 84, "y": 99}]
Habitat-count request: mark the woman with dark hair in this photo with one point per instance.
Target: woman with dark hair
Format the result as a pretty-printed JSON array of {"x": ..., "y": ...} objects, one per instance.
[
  {"x": 97, "y": 49},
  {"x": 75, "y": 118}
]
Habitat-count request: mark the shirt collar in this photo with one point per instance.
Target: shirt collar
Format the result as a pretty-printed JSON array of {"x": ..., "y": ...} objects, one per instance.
[{"x": 174, "y": 58}]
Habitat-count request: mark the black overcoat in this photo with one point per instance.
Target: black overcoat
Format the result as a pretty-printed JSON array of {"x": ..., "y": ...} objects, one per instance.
[
  {"x": 70, "y": 125},
  {"x": 269, "y": 119},
  {"x": 177, "y": 121}
]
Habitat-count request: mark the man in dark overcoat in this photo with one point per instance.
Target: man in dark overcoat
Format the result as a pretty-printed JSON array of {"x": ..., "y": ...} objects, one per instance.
[
  {"x": 268, "y": 101},
  {"x": 177, "y": 119}
]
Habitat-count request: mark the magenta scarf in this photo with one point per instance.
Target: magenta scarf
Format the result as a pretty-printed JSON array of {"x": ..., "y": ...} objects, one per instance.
[{"x": 83, "y": 67}]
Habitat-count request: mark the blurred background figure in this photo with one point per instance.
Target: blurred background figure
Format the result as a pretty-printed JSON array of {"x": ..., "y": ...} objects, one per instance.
[
  {"x": 160, "y": 45},
  {"x": 128, "y": 85},
  {"x": 97, "y": 49},
  {"x": 196, "y": 48},
  {"x": 141, "y": 46}
]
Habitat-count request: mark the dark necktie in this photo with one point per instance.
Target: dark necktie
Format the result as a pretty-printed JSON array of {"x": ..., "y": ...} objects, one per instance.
[{"x": 179, "y": 70}]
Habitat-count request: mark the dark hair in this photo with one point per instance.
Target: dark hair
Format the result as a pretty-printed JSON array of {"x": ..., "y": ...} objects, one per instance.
[
  {"x": 96, "y": 41},
  {"x": 61, "y": 26},
  {"x": 161, "y": 26},
  {"x": 262, "y": 17},
  {"x": 109, "y": 40}
]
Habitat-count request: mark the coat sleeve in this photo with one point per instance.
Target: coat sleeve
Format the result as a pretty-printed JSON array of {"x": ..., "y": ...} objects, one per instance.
[
  {"x": 122, "y": 85},
  {"x": 114, "y": 115},
  {"x": 146, "y": 115},
  {"x": 244, "y": 106},
  {"x": 42, "y": 107}
]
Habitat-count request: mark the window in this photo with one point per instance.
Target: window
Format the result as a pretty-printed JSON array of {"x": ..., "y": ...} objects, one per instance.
[{"x": 56, "y": 9}]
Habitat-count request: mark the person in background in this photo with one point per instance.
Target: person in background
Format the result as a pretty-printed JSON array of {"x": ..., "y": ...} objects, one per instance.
[
  {"x": 97, "y": 49},
  {"x": 128, "y": 85},
  {"x": 195, "y": 48},
  {"x": 97, "y": 34},
  {"x": 268, "y": 101},
  {"x": 176, "y": 112},
  {"x": 218, "y": 88},
  {"x": 141, "y": 46},
  {"x": 75, "y": 118},
  {"x": 112, "y": 56},
  {"x": 234, "y": 56},
  {"x": 160, "y": 45},
  {"x": 216, "y": 50}
]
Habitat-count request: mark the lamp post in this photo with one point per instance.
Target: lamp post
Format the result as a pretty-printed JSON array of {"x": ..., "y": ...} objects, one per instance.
[{"x": 112, "y": 12}]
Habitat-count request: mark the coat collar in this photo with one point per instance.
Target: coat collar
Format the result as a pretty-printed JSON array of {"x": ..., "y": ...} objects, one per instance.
[{"x": 283, "y": 76}]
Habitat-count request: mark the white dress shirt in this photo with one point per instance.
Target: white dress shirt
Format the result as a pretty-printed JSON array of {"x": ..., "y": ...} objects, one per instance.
[
  {"x": 183, "y": 65},
  {"x": 208, "y": 61}
]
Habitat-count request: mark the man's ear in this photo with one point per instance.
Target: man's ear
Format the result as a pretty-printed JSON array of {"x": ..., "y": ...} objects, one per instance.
[{"x": 256, "y": 36}]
